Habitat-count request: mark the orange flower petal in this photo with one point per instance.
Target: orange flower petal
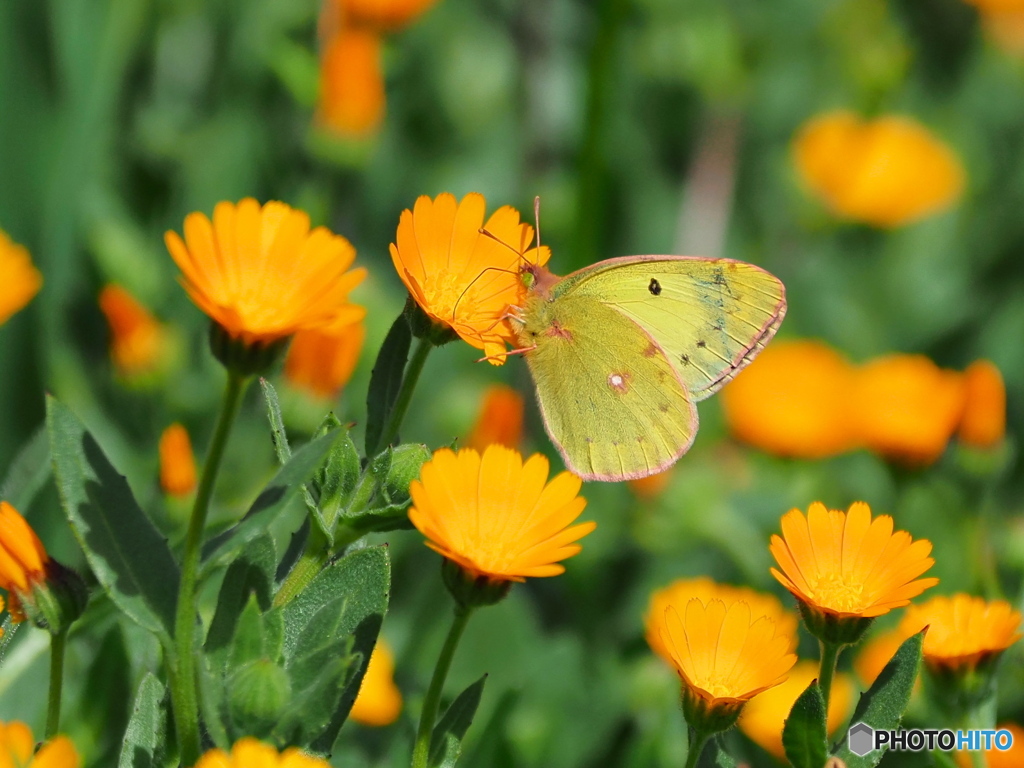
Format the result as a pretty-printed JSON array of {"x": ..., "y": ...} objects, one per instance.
[{"x": 22, "y": 280}]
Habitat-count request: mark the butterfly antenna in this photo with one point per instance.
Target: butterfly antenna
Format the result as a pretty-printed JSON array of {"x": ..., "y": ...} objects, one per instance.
[
  {"x": 536, "y": 219},
  {"x": 522, "y": 351},
  {"x": 471, "y": 282}
]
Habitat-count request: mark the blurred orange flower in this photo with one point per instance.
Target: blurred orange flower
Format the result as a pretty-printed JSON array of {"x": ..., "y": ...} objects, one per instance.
[
  {"x": 887, "y": 172},
  {"x": 765, "y": 715},
  {"x": 23, "y": 557},
  {"x": 906, "y": 407},
  {"x": 22, "y": 280},
  {"x": 793, "y": 400},
  {"x": 461, "y": 278},
  {"x": 250, "y": 753},
  {"x": 261, "y": 274},
  {"x": 983, "y": 424},
  {"x": 497, "y": 516},
  {"x": 322, "y": 361},
  {"x": 963, "y": 630},
  {"x": 18, "y": 749},
  {"x": 679, "y": 593},
  {"x": 352, "y": 82},
  {"x": 500, "y": 420},
  {"x": 137, "y": 340},
  {"x": 379, "y": 701},
  {"x": 383, "y": 14},
  {"x": 997, "y": 758},
  {"x": 177, "y": 462},
  {"x": 873, "y": 655},
  {"x": 651, "y": 486}
]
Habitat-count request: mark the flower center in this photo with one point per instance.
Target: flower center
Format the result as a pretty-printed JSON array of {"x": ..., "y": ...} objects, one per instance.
[
  {"x": 447, "y": 292},
  {"x": 831, "y": 591}
]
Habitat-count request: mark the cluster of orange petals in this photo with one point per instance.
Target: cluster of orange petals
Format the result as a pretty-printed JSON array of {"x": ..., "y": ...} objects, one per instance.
[
  {"x": 680, "y": 592},
  {"x": 23, "y": 558},
  {"x": 803, "y": 399},
  {"x": 177, "y": 461},
  {"x": 725, "y": 654},
  {"x": 460, "y": 277},
  {"x": 847, "y": 564},
  {"x": 887, "y": 172},
  {"x": 250, "y": 753},
  {"x": 497, "y": 516},
  {"x": 22, "y": 280},
  {"x": 18, "y": 749},
  {"x": 137, "y": 339},
  {"x": 763, "y": 718},
  {"x": 500, "y": 420},
  {"x": 262, "y": 274},
  {"x": 322, "y": 361},
  {"x": 379, "y": 701},
  {"x": 962, "y": 630}
]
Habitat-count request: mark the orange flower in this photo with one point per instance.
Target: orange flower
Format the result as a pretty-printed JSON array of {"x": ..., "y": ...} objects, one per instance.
[
  {"x": 963, "y": 631},
  {"x": 23, "y": 558},
  {"x": 261, "y": 274},
  {"x": 137, "y": 340},
  {"x": 379, "y": 701},
  {"x": 18, "y": 749},
  {"x": 872, "y": 657},
  {"x": 250, "y": 753},
  {"x": 725, "y": 655},
  {"x": 1006, "y": 28},
  {"x": 352, "y": 82},
  {"x": 177, "y": 463},
  {"x": 887, "y": 172},
  {"x": 461, "y": 278},
  {"x": 384, "y": 14},
  {"x": 845, "y": 564},
  {"x": 496, "y": 516},
  {"x": 763, "y": 718},
  {"x": 983, "y": 423},
  {"x": 500, "y": 420},
  {"x": 906, "y": 407},
  {"x": 21, "y": 279},
  {"x": 997, "y": 758},
  {"x": 793, "y": 400},
  {"x": 322, "y": 362},
  {"x": 680, "y": 592}
]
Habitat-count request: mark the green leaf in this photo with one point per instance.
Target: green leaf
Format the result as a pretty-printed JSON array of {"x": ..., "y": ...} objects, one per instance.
[
  {"x": 386, "y": 380},
  {"x": 353, "y": 594},
  {"x": 884, "y": 703},
  {"x": 270, "y": 503},
  {"x": 278, "y": 436},
  {"x": 446, "y": 741},
  {"x": 717, "y": 754},
  {"x": 248, "y": 644},
  {"x": 129, "y": 557},
  {"x": 804, "y": 736},
  {"x": 146, "y": 736},
  {"x": 385, "y": 485},
  {"x": 28, "y": 472},
  {"x": 336, "y": 480}
]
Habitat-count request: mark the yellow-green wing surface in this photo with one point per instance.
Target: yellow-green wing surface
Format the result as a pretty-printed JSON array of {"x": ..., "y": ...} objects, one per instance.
[
  {"x": 612, "y": 402},
  {"x": 710, "y": 316}
]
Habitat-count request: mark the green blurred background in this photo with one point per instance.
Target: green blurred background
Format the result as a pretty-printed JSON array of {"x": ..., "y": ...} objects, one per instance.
[{"x": 646, "y": 126}]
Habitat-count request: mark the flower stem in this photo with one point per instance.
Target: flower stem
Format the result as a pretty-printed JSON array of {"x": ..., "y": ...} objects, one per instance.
[
  {"x": 184, "y": 697},
  {"x": 412, "y": 375},
  {"x": 312, "y": 560},
  {"x": 57, "y": 644},
  {"x": 698, "y": 740},
  {"x": 829, "y": 657},
  {"x": 421, "y": 752}
]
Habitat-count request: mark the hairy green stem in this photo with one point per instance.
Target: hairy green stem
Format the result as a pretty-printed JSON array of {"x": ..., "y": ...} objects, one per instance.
[
  {"x": 412, "y": 375},
  {"x": 58, "y": 643},
  {"x": 829, "y": 657},
  {"x": 184, "y": 695},
  {"x": 312, "y": 560},
  {"x": 421, "y": 752},
  {"x": 698, "y": 740}
]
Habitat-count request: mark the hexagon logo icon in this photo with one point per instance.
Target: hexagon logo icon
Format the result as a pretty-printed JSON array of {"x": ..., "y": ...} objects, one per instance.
[{"x": 861, "y": 738}]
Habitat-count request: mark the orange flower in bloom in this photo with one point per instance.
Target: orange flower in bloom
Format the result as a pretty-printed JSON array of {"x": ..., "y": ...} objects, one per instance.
[
  {"x": 500, "y": 420},
  {"x": 962, "y": 630},
  {"x": 322, "y": 362},
  {"x": 250, "y": 753},
  {"x": 18, "y": 749},
  {"x": 680, "y": 592},
  {"x": 21, "y": 279},
  {"x": 872, "y": 657},
  {"x": 177, "y": 462},
  {"x": 848, "y": 565},
  {"x": 460, "y": 277},
  {"x": 995, "y": 757},
  {"x": 379, "y": 701},
  {"x": 983, "y": 423},
  {"x": 23, "y": 558},
  {"x": 906, "y": 407},
  {"x": 136, "y": 338},
  {"x": 725, "y": 655},
  {"x": 793, "y": 400},
  {"x": 886, "y": 172},
  {"x": 352, "y": 82},
  {"x": 260, "y": 272},
  {"x": 383, "y": 14},
  {"x": 496, "y": 516},
  {"x": 764, "y": 717}
]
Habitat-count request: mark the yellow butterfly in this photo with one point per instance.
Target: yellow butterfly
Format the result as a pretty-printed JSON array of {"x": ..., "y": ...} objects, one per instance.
[{"x": 621, "y": 350}]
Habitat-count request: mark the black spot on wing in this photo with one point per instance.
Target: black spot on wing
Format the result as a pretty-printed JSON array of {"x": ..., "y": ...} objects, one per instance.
[{"x": 654, "y": 287}]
